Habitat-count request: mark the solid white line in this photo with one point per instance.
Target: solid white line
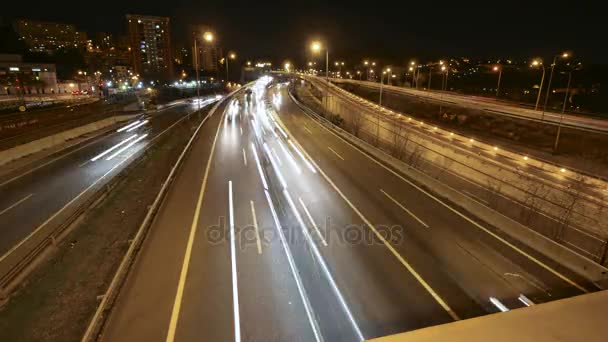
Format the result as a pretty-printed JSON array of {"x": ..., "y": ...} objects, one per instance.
[
  {"x": 404, "y": 209},
  {"x": 403, "y": 262},
  {"x": 257, "y": 161},
  {"x": 244, "y": 157},
  {"x": 312, "y": 221},
  {"x": 307, "y": 130},
  {"x": 127, "y": 146},
  {"x": 235, "y": 288},
  {"x": 137, "y": 126},
  {"x": 127, "y": 126},
  {"x": 519, "y": 250},
  {"x": 113, "y": 147},
  {"x": 241, "y": 128},
  {"x": 474, "y": 197},
  {"x": 336, "y": 153},
  {"x": 498, "y": 304},
  {"x": 324, "y": 267},
  {"x": 308, "y": 164},
  {"x": 257, "y": 230},
  {"x": 16, "y": 204},
  {"x": 193, "y": 227},
  {"x": 296, "y": 275}
]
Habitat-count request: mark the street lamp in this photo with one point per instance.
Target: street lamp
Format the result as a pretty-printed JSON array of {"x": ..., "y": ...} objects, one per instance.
[
  {"x": 563, "y": 55},
  {"x": 388, "y": 70},
  {"x": 317, "y": 47},
  {"x": 231, "y": 55},
  {"x": 561, "y": 118},
  {"x": 499, "y": 69},
  {"x": 208, "y": 37},
  {"x": 535, "y": 63}
]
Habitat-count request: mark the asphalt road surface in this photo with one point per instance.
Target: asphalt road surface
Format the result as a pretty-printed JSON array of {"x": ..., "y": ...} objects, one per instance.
[
  {"x": 275, "y": 229},
  {"x": 32, "y": 197}
]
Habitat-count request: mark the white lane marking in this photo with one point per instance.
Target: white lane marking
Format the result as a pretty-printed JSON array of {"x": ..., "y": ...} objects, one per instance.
[
  {"x": 404, "y": 208},
  {"x": 257, "y": 230},
  {"x": 127, "y": 146},
  {"x": 241, "y": 128},
  {"x": 308, "y": 164},
  {"x": 16, "y": 204},
  {"x": 235, "y": 287},
  {"x": 127, "y": 126},
  {"x": 188, "y": 253},
  {"x": 307, "y": 130},
  {"x": 290, "y": 157},
  {"x": 477, "y": 225},
  {"x": 137, "y": 126},
  {"x": 324, "y": 267},
  {"x": 312, "y": 221},
  {"x": 84, "y": 163},
  {"x": 336, "y": 153},
  {"x": 114, "y": 147},
  {"x": 403, "y": 262},
  {"x": 257, "y": 162},
  {"x": 296, "y": 275},
  {"x": 275, "y": 167},
  {"x": 527, "y": 302},
  {"x": 276, "y": 156},
  {"x": 244, "y": 157},
  {"x": 498, "y": 304}
]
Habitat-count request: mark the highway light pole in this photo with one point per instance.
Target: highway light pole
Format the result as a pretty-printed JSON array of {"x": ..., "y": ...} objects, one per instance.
[
  {"x": 231, "y": 55},
  {"x": 563, "y": 55},
  {"x": 381, "y": 84},
  {"x": 316, "y": 47},
  {"x": 499, "y": 69},
  {"x": 561, "y": 118},
  {"x": 538, "y": 62}
]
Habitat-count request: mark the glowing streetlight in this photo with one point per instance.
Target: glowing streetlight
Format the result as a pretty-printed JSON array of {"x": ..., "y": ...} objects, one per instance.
[
  {"x": 539, "y": 63},
  {"x": 248, "y": 63},
  {"x": 563, "y": 55},
  {"x": 499, "y": 69},
  {"x": 231, "y": 55},
  {"x": 208, "y": 36},
  {"x": 316, "y": 47}
]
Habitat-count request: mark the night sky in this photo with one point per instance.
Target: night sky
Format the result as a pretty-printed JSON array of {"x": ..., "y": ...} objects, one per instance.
[{"x": 389, "y": 31}]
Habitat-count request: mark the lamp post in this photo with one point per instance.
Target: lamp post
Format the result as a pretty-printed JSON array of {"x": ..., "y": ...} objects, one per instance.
[
  {"x": 563, "y": 55},
  {"x": 316, "y": 47},
  {"x": 561, "y": 117},
  {"x": 231, "y": 55},
  {"x": 381, "y": 84},
  {"x": 208, "y": 37},
  {"x": 539, "y": 62},
  {"x": 499, "y": 69}
]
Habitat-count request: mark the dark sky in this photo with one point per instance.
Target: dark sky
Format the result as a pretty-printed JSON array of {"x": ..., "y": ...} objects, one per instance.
[{"x": 389, "y": 31}]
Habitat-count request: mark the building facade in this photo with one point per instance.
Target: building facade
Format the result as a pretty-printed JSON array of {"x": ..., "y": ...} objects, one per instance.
[
  {"x": 150, "y": 44},
  {"x": 18, "y": 78},
  {"x": 41, "y": 36}
]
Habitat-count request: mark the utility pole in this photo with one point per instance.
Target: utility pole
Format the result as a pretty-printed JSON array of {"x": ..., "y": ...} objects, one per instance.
[{"x": 561, "y": 118}]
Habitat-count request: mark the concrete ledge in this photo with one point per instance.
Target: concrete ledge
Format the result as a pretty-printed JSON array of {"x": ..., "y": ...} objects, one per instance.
[
  {"x": 587, "y": 268},
  {"x": 23, "y": 150}
]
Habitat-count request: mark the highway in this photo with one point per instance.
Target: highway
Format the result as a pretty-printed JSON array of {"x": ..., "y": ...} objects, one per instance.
[
  {"x": 275, "y": 229},
  {"x": 490, "y": 105},
  {"x": 36, "y": 195}
]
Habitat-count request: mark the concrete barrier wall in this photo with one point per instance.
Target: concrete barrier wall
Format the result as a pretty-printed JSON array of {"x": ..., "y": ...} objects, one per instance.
[
  {"x": 566, "y": 257},
  {"x": 20, "y": 151}
]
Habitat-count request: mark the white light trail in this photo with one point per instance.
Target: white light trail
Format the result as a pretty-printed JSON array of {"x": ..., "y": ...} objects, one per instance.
[
  {"x": 308, "y": 164},
  {"x": 275, "y": 167},
  {"x": 137, "y": 126},
  {"x": 296, "y": 276},
  {"x": 113, "y": 147},
  {"x": 324, "y": 267},
  {"x": 525, "y": 300},
  {"x": 276, "y": 156},
  {"x": 126, "y": 147},
  {"x": 290, "y": 157},
  {"x": 235, "y": 289},
  {"x": 498, "y": 304},
  {"x": 128, "y": 126},
  {"x": 257, "y": 161}
]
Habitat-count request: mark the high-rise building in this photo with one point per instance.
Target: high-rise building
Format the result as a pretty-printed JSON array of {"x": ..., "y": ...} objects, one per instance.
[
  {"x": 150, "y": 43},
  {"x": 44, "y": 36}
]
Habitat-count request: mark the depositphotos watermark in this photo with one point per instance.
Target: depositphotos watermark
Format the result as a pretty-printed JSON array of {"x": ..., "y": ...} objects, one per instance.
[{"x": 329, "y": 233}]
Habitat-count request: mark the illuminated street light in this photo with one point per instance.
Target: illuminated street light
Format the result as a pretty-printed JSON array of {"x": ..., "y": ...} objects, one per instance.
[
  {"x": 208, "y": 36},
  {"x": 248, "y": 63},
  {"x": 316, "y": 47},
  {"x": 499, "y": 69},
  {"x": 231, "y": 55},
  {"x": 563, "y": 55},
  {"x": 535, "y": 63}
]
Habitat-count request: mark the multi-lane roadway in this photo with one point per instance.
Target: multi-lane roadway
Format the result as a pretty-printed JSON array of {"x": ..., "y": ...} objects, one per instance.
[
  {"x": 276, "y": 229},
  {"x": 42, "y": 193}
]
